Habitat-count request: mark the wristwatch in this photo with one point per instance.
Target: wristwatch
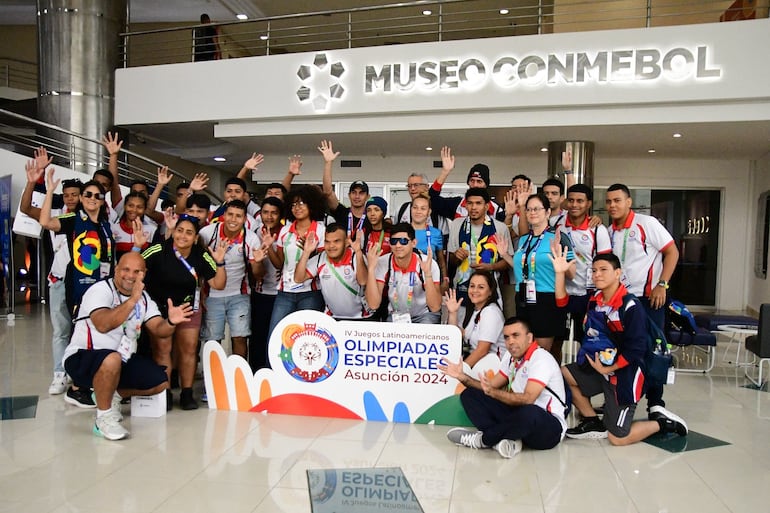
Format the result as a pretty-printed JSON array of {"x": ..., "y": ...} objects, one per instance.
[{"x": 664, "y": 284}]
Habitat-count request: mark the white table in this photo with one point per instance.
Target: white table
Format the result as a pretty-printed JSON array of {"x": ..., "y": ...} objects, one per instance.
[{"x": 738, "y": 333}]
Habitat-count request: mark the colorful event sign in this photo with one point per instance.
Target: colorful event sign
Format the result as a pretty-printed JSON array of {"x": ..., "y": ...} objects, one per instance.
[{"x": 357, "y": 370}]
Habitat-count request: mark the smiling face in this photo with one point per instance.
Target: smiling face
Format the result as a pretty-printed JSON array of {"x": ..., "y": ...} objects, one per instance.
[
  {"x": 401, "y": 251},
  {"x": 92, "y": 199},
  {"x": 134, "y": 208},
  {"x": 335, "y": 243},
  {"x": 271, "y": 215},
  {"x": 420, "y": 210},
  {"x": 300, "y": 209},
  {"x": 234, "y": 220},
  {"x": 479, "y": 290},
  {"x": 71, "y": 197},
  {"x": 358, "y": 197},
  {"x": 130, "y": 269},
  {"x": 184, "y": 235},
  {"x": 537, "y": 213},
  {"x": 577, "y": 204}
]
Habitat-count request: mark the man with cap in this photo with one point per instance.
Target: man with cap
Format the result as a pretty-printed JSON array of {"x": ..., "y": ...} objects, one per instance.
[
  {"x": 454, "y": 207},
  {"x": 351, "y": 217}
]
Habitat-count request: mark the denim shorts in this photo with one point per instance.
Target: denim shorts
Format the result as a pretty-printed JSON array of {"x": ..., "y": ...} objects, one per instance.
[{"x": 236, "y": 310}]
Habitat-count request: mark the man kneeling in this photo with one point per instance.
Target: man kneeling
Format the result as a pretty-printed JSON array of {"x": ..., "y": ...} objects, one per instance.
[
  {"x": 101, "y": 352},
  {"x": 523, "y": 404}
]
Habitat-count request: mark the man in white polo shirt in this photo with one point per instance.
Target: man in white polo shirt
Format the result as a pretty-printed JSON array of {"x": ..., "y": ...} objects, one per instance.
[
  {"x": 341, "y": 273},
  {"x": 648, "y": 257}
]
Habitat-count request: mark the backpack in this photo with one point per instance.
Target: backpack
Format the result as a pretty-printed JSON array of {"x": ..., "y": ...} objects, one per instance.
[
  {"x": 567, "y": 402},
  {"x": 680, "y": 319},
  {"x": 657, "y": 358}
]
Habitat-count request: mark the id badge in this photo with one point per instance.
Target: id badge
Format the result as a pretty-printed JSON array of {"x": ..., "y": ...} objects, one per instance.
[
  {"x": 671, "y": 376},
  {"x": 402, "y": 318},
  {"x": 531, "y": 292},
  {"x": 197, "y": 299},
  {"x": 104, "y": 270},
  {"x": 126, "y": 348}
]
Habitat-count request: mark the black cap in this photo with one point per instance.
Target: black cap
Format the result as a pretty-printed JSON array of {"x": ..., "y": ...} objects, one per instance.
[{"x": 359, "y": 184}]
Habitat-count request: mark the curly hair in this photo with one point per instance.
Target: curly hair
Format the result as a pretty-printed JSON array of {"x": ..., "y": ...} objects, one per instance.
[{"x": 312, "y": 196}]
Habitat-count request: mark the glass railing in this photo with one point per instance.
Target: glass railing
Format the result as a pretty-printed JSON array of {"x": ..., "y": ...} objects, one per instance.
[{"x": 416, "y": 22}]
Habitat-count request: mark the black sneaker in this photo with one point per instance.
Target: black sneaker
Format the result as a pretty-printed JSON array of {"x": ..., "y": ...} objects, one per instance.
[
  {"x": 669, "y": 422},
  {"x": 80, "y": 398},
  {"x": 589, "y": 429},
  {"x": 186, "y": 400}
]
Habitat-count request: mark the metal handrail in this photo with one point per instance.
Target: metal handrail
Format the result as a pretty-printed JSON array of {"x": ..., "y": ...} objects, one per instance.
[
  {"x": 63, "y": 152},
  {"x": 451, "y": 19}
]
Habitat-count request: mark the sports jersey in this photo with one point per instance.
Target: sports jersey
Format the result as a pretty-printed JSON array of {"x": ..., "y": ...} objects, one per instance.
[
  {"x": 288, "y": 239},
  {"x": 61, "y": 254},
  {"x": 537, "y": 365},
  {"x": 406, "y": 292},
  {"x": 343, "y": 295},
  {"x": 586, "y": 244},
  {"x": 381, "y": 237},
  {"x": 639, "y": 244},
  {"x": 269, "y": 282},
  {"x": 533, "y": 256},
  {"x": 436, "y": 240},
  {"x": 239, "y": 252},
  {"x": 106, "y": 295},
  {"x": 168, "y": 277},
  {"x": 487, "y": 325},
  {"x": 123, "y": 233}
]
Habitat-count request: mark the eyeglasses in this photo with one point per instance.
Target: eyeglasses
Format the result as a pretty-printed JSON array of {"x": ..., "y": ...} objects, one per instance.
[
  {"x": 532, "y": 210},
  {"x": 92, "y": 194},
  {"x": 394, "y": 241},
  {"x": 298, "y": 204},
  {"x": 415, "y": 185}
]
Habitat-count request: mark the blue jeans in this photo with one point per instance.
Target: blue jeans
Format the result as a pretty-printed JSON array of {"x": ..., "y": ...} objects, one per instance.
[
  {"x": 290, "y": 302},
  {"x": 61, "y": 323},
  {"x": 236, "y": 310}
]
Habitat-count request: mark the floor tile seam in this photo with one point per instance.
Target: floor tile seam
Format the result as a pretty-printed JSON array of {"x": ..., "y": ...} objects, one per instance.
[{"x": 708, "y": 486}]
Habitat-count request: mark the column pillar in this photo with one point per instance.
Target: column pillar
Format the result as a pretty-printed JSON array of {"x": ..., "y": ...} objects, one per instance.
[
  {"x": 78, "y": 51},
  {"x": 582, "y": 160}
]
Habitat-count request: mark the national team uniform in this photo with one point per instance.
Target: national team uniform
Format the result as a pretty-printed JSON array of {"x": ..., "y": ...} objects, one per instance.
[
  {"x": 343, "y": 295},
  {"x": 123, "y": 233},
  {"x": 405, "y": 288},
  {"x": 540, "y": 425},
  {"x": 262, "y": 301},
  {"x": 487, "y": 326}
]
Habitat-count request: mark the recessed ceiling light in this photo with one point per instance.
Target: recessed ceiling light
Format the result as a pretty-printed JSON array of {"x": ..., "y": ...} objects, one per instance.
[
  {"x": 427, "y": 12},
  {"x": 651, "y": 150},
  {"x": 544, "y": 149},
  {"x": 220, "y": 159},
  {"x": 429, "y": 148},
  {"x": 241, "y": 16},
  {"x": 503, "y": 11},
  {"x": 677, "y": 135},
  {"x": 264, "y": 37}
]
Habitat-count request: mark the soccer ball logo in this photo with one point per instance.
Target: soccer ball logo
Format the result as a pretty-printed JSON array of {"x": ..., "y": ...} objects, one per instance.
[{"x": 319, "y": 78}]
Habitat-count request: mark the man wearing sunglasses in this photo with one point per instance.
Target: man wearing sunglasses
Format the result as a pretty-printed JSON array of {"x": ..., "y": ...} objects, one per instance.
[{"x": 411, "y": 278}]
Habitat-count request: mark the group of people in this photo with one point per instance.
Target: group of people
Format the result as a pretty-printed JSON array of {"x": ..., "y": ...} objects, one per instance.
[{"x": 144, "y": 286}]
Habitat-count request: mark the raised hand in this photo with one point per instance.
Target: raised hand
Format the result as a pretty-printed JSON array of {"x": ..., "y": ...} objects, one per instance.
[
  {"x": 558, "y": 258},
  {"x": 199, "y": 182},
  {"x": 179, "y": 314},
  {"x": 355, "y": 245},
  {"x": 170, "y": 219},
  {"x": 164, "y": 177},
  {"x": 450, "y": 368},
  {"x": 327, "y": 151},
  {"x": 426, "y": 264},
  {"x": 111, "y": 143},
  {"x": 311, "y": 243},
  {"x": 556, "y": 241},
  {"x": 295, "y": 165},
  {"x": 42, "y": 160},
  {"x": 447, "y": 159},
  {"x": 33, "y": 172},
  {"x": 51, "y": 182},
  {"x": 138, "y": 237},
  {"x": 525, "y": 194},
  {"x": 267, "y": 238},
  {"x": 566, "y": 158},
  {"x": 254, "y": 162},
  {"x": 259, "y": 253},
  {"x": 219, "y": 253},
  {"x": 511, "y": 201},
  {"x": 373, "y": 255},
  {"x": 138, "y": 287},
  {"x": 451, "y": 302}
]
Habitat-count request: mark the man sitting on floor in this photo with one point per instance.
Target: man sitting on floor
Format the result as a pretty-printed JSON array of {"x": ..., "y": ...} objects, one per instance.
[
  {"x": 101, "y": 354},
  {"x": 523, "y": 404}
]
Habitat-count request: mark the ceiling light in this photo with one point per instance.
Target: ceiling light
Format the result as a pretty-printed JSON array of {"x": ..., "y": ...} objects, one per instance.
[
  {"x": 651, "y": 150},
  {"x": 503, "y": 11},
  {"x": 427, "y": 12},
  {"x": 544, "y": 149},
  {"x": 429, "y": 148},
  {"x": 241, "y": 16},
  {"x": 677, "y": 135},
  {"x": 264, "y": 37},
  {"x": 220, "y": 159}
]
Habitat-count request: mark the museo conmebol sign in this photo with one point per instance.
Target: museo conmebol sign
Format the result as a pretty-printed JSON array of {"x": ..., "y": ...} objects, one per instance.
[{"x": 547, "y": 69}]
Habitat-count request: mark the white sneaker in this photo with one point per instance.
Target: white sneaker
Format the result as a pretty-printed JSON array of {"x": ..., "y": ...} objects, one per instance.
[
  {"x": 466, "y": 437},
  {"x": 508, "y": 448},
  {"x": 59, "y": 383},
  {"x": 108, "y": 426},
  {"x": 115, "y": 407}
]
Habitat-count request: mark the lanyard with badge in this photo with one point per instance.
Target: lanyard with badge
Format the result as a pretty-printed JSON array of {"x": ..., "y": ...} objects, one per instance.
[
  {"x": 473, "y": 242},
  {"x": 397, "y": 315},
  {"x": 197, "y": 299},
  {"x": 358, "y": 225},
  {"x": 627, "y": 231},
  {"x": 528, "y": 268},
  {"x": 288, "y": 277},
  {"x": 131, "y": 328}
]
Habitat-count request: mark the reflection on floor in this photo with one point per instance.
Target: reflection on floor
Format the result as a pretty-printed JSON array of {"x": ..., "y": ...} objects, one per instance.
[{"x": 239, "y": 462}]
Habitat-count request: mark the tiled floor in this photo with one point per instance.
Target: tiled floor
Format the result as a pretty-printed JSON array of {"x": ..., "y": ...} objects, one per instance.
[{"x": 238, "y": 462}]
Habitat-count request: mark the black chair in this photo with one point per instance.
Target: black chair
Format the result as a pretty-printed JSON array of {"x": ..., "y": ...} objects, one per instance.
[{"x": 759, "y": 344}]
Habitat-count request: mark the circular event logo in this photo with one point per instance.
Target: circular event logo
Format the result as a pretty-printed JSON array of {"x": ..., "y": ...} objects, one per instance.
[
  {"x": 309, "y": 353},
  {"x": 87, "y": 250}
]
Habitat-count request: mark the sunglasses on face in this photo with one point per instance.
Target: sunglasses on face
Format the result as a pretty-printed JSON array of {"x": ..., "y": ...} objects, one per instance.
[
  {"x": 399, "y": 240},
  {"x": 95, "y": 195}
]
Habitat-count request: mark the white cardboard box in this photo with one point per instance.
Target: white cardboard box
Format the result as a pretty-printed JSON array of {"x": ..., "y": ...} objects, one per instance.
[{"x": 149, "y": 405}]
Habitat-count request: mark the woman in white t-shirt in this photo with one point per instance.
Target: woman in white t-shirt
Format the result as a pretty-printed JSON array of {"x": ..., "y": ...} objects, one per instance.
[{"x": 483, "y": 324}]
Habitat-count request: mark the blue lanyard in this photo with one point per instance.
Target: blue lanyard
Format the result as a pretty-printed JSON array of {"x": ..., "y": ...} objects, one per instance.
[{"x": 186, "y": 264}]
